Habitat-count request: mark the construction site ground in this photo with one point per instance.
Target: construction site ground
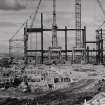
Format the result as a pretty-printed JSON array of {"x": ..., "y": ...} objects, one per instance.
[{"x": 86, "y": 80}]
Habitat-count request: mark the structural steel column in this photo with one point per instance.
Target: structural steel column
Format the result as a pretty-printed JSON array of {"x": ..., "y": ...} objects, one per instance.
[
  {"x": 66, "y": 43},
  {"x": 9, "y": 48},
  {"x": 84, "y": 43},
  {"x": 101, "y": 47},
  {"x": 98, "y": 50},
  {"x": 41, "y": 38},
  {"x": 87, "y": 55},
  {"x": 84, "y": 37},
  {"x": 97, "y": 46},
  {"x": 25, "y": 45}
]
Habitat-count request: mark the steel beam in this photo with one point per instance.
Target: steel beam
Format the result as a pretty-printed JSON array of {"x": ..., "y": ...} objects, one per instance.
[
  {"x": 91, "y": 42},
  {"x": 44, "y": 51},
  {"x": 31, "y": 30}
]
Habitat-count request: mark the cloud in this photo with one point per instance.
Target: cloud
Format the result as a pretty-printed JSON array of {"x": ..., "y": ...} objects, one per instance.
[{"x": 11, "y": 5}]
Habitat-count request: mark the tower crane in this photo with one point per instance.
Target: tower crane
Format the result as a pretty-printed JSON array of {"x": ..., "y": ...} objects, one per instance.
[
  {"x": 78, "y": 23},
  {"x": 54, "y": 50},
  {"x": 54, "y": 27}
]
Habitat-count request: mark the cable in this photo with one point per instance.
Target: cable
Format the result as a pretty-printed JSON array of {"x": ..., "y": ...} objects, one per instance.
[
  {"x": 35, "y": 14},
  {"x": 28, "y": 18},
  {"x": 101, "y": 7},
  {"x": 25, "y": 22},
  {"x": 103, "y": 10}
]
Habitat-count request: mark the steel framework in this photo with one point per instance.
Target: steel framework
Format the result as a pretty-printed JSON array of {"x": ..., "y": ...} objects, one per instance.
[{"x": 42, "y": 50}]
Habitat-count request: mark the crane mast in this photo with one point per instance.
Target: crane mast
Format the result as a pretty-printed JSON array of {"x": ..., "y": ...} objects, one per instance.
[
  {"x": 54, "y": 12},
  {"x": 54, "y": 50},
  {"x": 78, "y": 23},
  {"x": 54, "y": 27}
]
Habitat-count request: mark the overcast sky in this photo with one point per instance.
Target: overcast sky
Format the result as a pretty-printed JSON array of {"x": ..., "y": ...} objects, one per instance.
[{"x": 14, "y": 12}]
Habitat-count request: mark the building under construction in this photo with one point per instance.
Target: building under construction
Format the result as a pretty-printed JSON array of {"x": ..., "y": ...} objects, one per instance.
[
  {"x": 79, "y": 52},
  {"x": 54, "y": 65}
]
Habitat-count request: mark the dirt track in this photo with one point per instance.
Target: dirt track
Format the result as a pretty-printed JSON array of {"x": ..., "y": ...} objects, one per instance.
[{"x": 68, "y": 96}]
